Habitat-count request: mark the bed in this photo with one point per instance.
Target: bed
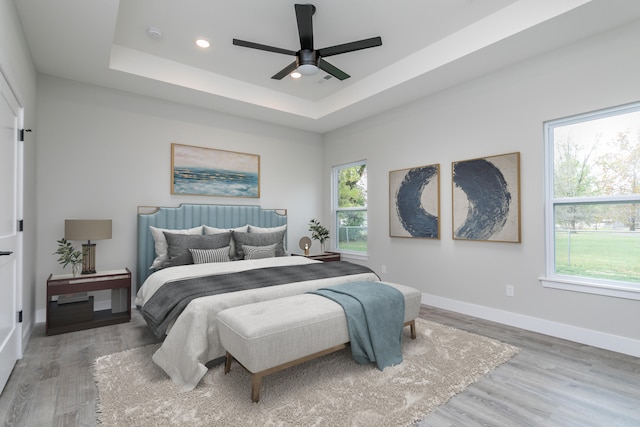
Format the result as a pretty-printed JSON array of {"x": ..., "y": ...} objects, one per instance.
[{"x": 180, "y": 300}]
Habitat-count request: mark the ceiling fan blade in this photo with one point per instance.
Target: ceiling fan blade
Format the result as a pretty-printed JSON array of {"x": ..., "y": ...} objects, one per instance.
[
  {"x": 333, "y": 70},
  {"x": 285, "y": 71},
  {"x": 350, "y": 47},
  {"x": 304, "y": 14},
  {"x": 259, "y": 46}
]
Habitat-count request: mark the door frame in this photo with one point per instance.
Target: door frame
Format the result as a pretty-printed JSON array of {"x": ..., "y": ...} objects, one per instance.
[{"x": 13, "y": 100}]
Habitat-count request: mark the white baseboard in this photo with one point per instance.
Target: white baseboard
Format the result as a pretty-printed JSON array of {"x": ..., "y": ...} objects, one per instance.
[
  {"x": 559, "y": 330},
  {"x": 41, "y": 315}
]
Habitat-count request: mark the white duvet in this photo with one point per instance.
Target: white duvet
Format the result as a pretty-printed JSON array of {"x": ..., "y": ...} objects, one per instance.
[{"x": 193, "y": 338}]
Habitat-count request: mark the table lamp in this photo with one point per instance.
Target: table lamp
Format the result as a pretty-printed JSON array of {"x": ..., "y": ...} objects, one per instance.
[{"x": 87, "y": 229}]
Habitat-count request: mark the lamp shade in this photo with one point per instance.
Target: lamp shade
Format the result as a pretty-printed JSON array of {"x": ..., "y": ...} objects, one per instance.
[{"x": 87, "y": 229}]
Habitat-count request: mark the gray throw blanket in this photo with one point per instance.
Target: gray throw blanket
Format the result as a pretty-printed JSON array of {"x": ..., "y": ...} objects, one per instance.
[
  {"x": 170, "y": 300},
  {"x": 375, "y": 317}
]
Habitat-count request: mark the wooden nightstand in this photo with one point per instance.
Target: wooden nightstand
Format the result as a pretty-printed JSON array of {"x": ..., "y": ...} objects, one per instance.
[
  {"x": 76, "y": 316},
  {"x": 325, "y": 257}
]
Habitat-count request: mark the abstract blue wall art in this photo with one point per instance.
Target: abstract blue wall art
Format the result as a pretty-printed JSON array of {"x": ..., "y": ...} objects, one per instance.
[
  {"x": 486, "y": 198},
  {"x": 414, "y": 202},
  {"x": 211, "y": 172}
]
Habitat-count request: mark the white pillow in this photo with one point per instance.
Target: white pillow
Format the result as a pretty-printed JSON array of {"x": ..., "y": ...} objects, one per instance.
[
  {"x": 204, "y": 256},
  {"x": 232, "y": 243},
  {"x": 254, "y": 229},
  {"x": 259, "y": 252},
  {"x": 213, "y": 230},
  {"x": 161, "y": 243}
]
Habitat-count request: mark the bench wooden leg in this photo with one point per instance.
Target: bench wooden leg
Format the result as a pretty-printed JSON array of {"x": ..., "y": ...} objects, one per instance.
[
  {"x": 256, "y": 385},
  {"x": 227, "y": 363},
  {"x": 256, "y": 379},
  {"x": 412, "y": 326}
]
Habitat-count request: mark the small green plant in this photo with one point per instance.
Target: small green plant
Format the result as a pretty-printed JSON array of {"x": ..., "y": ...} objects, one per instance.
[
  {"x": 68, "y": 254},
  {"x": 318, "y": 231}
]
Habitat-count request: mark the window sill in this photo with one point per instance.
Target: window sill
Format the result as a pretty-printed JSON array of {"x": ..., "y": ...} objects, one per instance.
[{"x": 602, "y": 288}]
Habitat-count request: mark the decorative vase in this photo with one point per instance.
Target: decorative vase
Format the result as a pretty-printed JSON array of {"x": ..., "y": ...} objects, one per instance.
[
  {"x": 322, "y": 247},
  {"x": 76, "y": 269}
]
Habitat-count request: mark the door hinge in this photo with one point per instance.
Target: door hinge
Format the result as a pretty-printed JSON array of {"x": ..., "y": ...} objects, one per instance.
[
  {"x": 21, "y": 134},
  {"x": 21, "y": 225},
  {"x": 20, "y": 316}
]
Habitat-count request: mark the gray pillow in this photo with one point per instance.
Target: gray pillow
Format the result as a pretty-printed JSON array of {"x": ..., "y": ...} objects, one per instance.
[
  {"x": 259, "y": 239},
  {"x": 259, "y": 252},
  {"x": 179, "y": 245},
  {"x": 232, "y": 243}
]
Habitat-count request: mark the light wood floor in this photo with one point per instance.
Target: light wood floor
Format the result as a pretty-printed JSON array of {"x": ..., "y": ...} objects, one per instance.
[{"x": 550, "y": 383}]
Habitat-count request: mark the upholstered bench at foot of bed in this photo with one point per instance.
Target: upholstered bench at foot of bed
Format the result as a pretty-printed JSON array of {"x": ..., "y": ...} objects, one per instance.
[{"x": 269, "y": 336}]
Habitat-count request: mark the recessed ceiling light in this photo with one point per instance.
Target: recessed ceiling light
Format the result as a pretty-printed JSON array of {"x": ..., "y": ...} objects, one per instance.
[
  {"x": 203, "y": 43},
  {"x": 296, "y": 74}
]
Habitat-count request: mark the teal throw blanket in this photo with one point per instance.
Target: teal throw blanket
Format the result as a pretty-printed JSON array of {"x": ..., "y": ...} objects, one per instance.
[{"x": 375, "y": 317}]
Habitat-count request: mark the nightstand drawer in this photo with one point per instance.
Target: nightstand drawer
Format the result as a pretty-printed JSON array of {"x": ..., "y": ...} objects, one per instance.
[{"x": 69, "y": 313}]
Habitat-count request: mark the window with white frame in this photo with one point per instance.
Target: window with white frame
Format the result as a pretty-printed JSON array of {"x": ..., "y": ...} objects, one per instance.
[
  {"x": 592, "y": 213},
  {"x": 349, "y": 203}
]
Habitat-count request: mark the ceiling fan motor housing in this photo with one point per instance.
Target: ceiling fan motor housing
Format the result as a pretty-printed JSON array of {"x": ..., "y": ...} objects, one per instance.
[{"x": 307, "y": 61}]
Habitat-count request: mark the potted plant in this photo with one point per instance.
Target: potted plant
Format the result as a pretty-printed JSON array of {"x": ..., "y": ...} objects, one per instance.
[
  {"x": 68, "y": 255},
  {"x": 318, "y": 232}
]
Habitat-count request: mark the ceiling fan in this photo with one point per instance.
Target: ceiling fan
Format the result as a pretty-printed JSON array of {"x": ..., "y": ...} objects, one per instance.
[{"x": 309, "y": 60}]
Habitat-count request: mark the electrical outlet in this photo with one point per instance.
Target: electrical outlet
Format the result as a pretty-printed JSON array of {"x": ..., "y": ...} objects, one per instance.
[
  {"x": 510, "y": 290},
  {"x": 383, "y": 269}
]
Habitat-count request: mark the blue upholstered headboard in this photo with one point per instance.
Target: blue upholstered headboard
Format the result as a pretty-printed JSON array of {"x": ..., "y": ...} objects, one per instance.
[{"x": 188, "y": 215}]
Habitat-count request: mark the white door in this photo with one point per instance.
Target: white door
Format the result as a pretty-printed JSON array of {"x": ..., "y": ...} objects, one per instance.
[{"x": 10, "y": 240}]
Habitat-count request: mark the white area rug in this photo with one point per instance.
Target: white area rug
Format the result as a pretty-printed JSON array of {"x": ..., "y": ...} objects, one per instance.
[{"x": 329, "y": 391}]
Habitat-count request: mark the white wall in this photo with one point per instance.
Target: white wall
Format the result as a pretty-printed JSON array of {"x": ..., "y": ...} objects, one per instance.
[
  {"x": 16, "y": 64},
  {"x": 102, "y": 153},
  {"x": 499, "y": 113}
]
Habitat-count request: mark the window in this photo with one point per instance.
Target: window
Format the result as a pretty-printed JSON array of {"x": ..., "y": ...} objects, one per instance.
[
  {"x": 593, "y": 202},
  {"x": 350, "y": 207}
]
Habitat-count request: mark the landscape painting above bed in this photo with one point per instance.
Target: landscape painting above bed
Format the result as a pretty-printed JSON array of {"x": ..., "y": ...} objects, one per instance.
[{"x": 212, "y": 172}]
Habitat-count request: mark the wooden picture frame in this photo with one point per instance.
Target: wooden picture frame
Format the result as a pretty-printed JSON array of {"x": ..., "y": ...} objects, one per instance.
[
  {"x": 414, "y": 202},
  {"x": 212, "y": 172},
  {"x": 486, "y": 198}
]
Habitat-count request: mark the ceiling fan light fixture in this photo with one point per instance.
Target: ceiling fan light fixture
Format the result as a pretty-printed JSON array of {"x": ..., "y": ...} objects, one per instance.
[
  {"x": 307, "y": 69},
  {"x": 307, "y": 61}
]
